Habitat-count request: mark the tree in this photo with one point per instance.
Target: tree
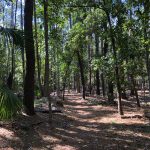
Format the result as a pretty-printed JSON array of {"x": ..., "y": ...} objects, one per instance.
[
  {"x": 120, "y": 110},
  {"x": 28, "y": 100},
  {"x": 146, "y": 43},
  {"x": 46, "y": 78},
  {"x": 97, "y": 71},
  {"x": 22, "y": 50},
  {"x": 37, "y": 51}
]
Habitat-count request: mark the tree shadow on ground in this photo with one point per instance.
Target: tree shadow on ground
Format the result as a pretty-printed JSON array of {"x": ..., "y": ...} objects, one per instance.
[
  {"x": 80, "y": 127},
  {"x": 86, "y": 135},
  {"x": 24, "y": 134}
]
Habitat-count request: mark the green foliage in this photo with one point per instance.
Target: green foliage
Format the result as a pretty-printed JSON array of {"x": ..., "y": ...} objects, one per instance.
[
  {"x": 73, "y": 26},
  {"x": 14, "y": 35},
  {"x": 95, "y": 21},
  {"x": 10, "y": 104},
  {"x": 77, "y": 36},
  {"x": 106, "y": 65}
]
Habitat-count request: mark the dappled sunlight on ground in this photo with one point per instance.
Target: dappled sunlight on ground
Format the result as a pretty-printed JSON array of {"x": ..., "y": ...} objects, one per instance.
[{"x": 82, "y": 126}]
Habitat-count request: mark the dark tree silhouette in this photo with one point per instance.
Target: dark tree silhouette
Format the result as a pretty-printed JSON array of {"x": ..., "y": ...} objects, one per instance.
[{"x": 30, "y": 59}]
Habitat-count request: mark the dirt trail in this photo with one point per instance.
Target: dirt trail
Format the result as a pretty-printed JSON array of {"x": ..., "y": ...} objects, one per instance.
[{"x": 82, "y": 126}]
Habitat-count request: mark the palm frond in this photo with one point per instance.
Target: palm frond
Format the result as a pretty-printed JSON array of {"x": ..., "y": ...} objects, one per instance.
[{"x": 15, "y": 35}]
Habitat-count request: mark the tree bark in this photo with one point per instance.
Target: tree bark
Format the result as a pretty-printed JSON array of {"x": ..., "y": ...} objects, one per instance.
[
  {"x": 28, "y": 100},
  {"x": 11, "y": 74},
  {"x": 97, "y": 71},
  {"x": 13, "y": 46},
  {"x": 37, "y": 52},
  {"x": 103, "y": 74},
  {"x": 22, "y": 49},
  {"x": 46, "y": 79},
  {"x": 81, "y": 73},
  {"x": 110, "y": 93},
  {"x": 120, "y": 110},
  {"x": 103, "y": 84},
  {"x": 135, "y": 91},
  {"x": 78, "y": 83},
  {"x": 3, "y": 13},
  {"x": 90, "y": 70},
  {"x": 146, "y": 26}
]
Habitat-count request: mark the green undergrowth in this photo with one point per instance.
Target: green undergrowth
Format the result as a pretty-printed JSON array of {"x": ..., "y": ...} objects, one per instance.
[{"x": 10, "y": 104}]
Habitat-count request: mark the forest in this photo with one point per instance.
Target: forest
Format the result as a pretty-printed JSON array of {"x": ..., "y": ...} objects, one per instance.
[{"x": 74, "y": 75}]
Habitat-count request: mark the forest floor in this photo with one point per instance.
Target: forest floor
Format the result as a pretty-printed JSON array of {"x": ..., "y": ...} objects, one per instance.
[{"x": 88, "y": 124}]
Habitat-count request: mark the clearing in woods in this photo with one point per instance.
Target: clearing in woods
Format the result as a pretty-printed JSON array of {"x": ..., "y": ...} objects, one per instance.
[{"x": 83, "y": 125}]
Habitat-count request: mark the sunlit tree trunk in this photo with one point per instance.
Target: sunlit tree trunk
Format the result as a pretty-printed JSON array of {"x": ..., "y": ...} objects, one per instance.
[
  {"x": 3, "y": 13},
  {"x": 10, "y": 79},
  {"x": 11, "y": 74},
  {"x": 22, "y": 49},
  {"x": 58, "y": 75},
  {"x": 90, "y": 70},
  {"x": 47, "y": 70}
]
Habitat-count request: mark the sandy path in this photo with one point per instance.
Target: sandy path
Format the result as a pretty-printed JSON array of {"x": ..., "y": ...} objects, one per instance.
[{"x": 82, "y": 126}]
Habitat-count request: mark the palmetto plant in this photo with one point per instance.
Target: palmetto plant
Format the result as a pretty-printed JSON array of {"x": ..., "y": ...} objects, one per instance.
[{"x": 10, "y": 104}]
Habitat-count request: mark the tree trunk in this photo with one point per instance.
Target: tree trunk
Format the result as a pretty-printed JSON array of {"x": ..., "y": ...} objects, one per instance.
[
  {"x": 103, "y": 48},
  {"x": 135, "y": 91},
  {"x": 11, "y": 74},
  {"x": 13, "y": 25},
  {"x": 74, "y": 82},
  {"x": 90, "y": 71},
  {"x": 78, "y": 83},
  {"x": 37, "y": 52},
  {"x": 97, "y": 71},
  {"x": 110, "y": 92},
  {"x": 148, "y": 67},
  {"x": 58, "y": 77},
  {"x": 3, "y": 13},
  {"x": 97, "y": 83},
  {"x": 123, "y": 88},
  {"x": 65, "y": 76},
  {"x": 103, "y": 84},
  {"x": 146, "y": 27},
  {"x": 68, "y": 84},
  {"x": 123, "y": 94},
  {"x": 28, "y": 100},
  {"x": 22, "y": 49},
  {"x": 132, "y": 92},
  {"x": 8, "y": 57},
  {"x": 120, "y": 110},
  {"x": 81, "y": 73},
  {"x": 46, "y": 79},
  {"x": 16, "y": 14}
]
